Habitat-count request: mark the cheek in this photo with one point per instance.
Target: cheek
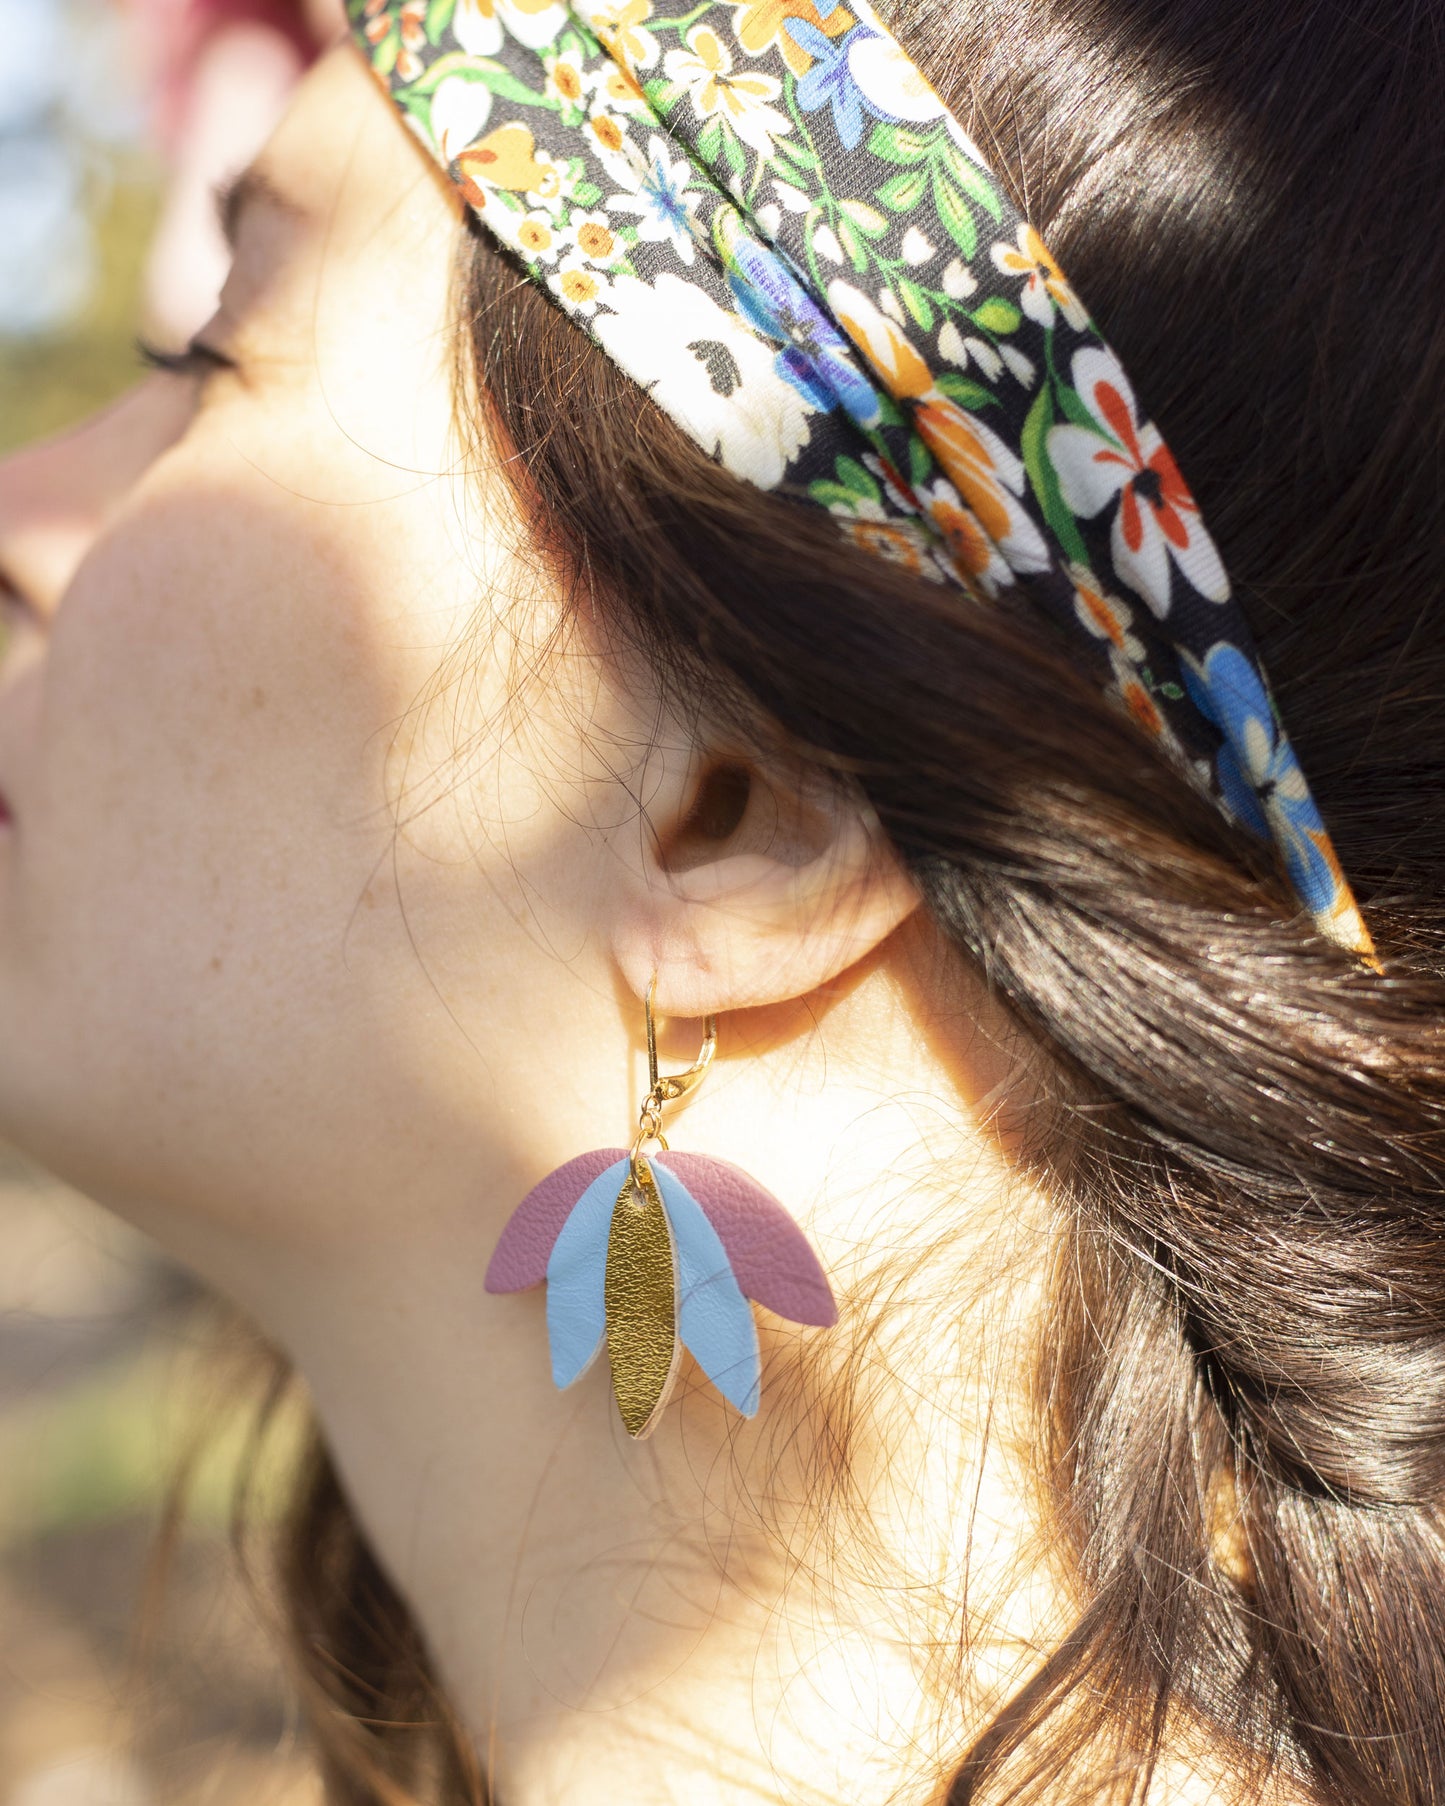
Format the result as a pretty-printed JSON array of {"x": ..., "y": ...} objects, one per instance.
[{"x": 213, "y": 992}]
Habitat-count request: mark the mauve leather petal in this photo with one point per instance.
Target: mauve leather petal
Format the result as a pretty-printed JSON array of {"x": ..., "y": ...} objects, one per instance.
[
  {"x": 770, "y": 1256},
  {"x": 520, "y": 1260}
]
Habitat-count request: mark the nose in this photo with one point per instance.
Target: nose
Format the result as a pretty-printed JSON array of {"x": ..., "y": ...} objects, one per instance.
[{"x": 58, "y": 496}]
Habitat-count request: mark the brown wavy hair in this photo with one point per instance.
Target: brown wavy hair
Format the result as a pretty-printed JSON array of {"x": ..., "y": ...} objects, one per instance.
[{"x": 1247, "y": 1142}]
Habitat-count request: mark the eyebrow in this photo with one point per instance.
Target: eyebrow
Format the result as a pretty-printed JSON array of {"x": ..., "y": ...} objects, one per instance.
[{"x": 252, "y": 188}]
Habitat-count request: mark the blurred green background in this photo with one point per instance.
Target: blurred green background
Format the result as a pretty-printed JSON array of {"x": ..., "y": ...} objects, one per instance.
[{"x": 106, "y": 1371}]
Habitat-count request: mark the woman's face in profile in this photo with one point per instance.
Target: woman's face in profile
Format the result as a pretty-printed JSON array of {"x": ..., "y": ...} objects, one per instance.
[{"x": 242, "y": 900}]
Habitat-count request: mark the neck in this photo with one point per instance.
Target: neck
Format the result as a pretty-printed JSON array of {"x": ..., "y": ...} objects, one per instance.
[{"x": 728, "y": 1612}]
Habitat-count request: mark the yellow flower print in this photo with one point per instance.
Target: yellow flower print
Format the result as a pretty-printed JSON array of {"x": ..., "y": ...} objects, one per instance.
[
  {"x": 505, "y": 158},
  {"x": 762, "y": 23},
  {"x": 578, "y": 285},
  {"x": 1045, "y": 284},
  {"x": 620, "y": 30},
  {"x": 537, "y": 238},
  {"x": 704, "y": 70},
  {"x": 594, "y": 238}
]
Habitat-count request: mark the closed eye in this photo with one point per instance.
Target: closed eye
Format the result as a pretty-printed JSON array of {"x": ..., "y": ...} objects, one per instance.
[{"x": 197, "y": 361}]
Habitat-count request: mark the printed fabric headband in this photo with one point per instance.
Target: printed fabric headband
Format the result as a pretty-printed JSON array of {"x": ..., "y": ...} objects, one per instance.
[{"x": 766, "y": 216}]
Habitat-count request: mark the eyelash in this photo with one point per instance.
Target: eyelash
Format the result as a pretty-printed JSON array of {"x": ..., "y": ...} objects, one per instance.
[{"x": 195, "y": 361}]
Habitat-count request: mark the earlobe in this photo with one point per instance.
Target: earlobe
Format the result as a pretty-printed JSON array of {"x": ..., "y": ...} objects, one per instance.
[{"x": 758, "y": 891}]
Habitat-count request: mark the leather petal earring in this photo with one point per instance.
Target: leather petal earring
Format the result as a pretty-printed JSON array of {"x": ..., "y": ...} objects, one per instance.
[{"x": 649, "y": 1255}]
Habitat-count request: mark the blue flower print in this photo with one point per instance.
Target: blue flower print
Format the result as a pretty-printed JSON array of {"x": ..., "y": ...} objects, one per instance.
[
  {"x": 1259, "y": 774},
  {"x": 830, "y": 80},
  {"x": 815, "y": 357}
]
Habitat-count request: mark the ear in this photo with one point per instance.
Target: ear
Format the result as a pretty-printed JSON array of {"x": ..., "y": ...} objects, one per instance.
[{"x": 758, "y": 883}]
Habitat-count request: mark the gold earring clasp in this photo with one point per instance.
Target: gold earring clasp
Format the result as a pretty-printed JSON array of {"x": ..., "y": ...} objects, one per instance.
[
  {"x": 667, "y": 1088},
  {"x": 676, "y": 1084}
]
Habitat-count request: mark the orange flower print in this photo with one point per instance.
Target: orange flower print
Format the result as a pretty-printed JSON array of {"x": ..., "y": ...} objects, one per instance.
[
  {"x": 1045, "y": 285},
  {"x": 989, "y": 478},
  {"x": 564, "y": 78},
  {"x": 593, "y": 235},
  {"x": 412, "y": 20},
  {"x": 902, "y": 370},
  {"x": 762, "y": 23},
  {"x": 1105, "y": 615},
  {"x": 893, "y": 540}
]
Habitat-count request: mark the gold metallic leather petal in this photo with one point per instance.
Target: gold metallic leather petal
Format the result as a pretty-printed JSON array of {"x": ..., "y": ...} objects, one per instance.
[{"x": 641, "y": 1295}]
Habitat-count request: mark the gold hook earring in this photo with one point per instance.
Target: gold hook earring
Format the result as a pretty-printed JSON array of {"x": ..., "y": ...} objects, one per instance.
[
  {"x": 666, "y": 1090},
  {"x": 648, "y": 1254}
]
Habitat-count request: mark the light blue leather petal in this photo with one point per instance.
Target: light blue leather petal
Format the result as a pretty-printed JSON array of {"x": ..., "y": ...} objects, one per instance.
[
  {"x": 714, "y": 1320},
  {"x": 576, "y": 1273}
]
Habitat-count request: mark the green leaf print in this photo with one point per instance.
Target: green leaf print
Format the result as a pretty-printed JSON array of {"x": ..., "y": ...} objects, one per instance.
[
  {"x": 899, "y": 144},
  {"x": 709, "y": 139},
  {"x": 867, "y": 219},
  {"x": 856, "y": 479},
  {"x": 920, "y": 462},
  {"x": 469, "y": 69},
  {"x": 903, "y": 192},
  {"x": 1074, "y": 409},
  {"x": 997, "y": 316},
  {"x": 852, "y": 242},
  {"x": 916, "y": 301},
  {"x": 1042, "y": 480},
  {"x": 972, "y": 181},
  {"x": 965, "y": 391},
  {"x": 956, "y": 218},
  {"x": 439, "y": 16}
]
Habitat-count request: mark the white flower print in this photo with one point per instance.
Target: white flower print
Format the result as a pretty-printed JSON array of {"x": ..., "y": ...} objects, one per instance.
[
  {"x": 915, "y": 247},
  {"x": 704, "y": 71},
  {"x": 460, "y": 110},
  {"x": 709, "y": 371},
  {"x": 1157, "y": 524},
  {"x": 567, "y": 80},
  {"x": 793, "y": 199},
  {"x": 825, "y": 243},
  {"x": 1044, "y": 284},
  {"x": 621, "y": 30},
  {"x": 538, "y": 238},
  {"x": 959, "y": 282},
  {"x": 891, "y": 81},
  {"x": 479, "y": 25},
  {"x": 1022, "y": 367},
  {"x": 665, "y": 206},
  {"x": 477, "y": 28}
]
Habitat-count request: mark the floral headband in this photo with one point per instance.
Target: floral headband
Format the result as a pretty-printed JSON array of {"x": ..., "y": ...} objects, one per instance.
[{"x": 766, "y": 216}]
